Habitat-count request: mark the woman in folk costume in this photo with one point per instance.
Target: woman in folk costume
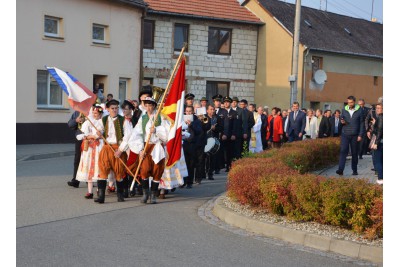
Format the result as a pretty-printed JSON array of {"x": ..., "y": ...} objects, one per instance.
[
  {"x": 274, "y": 129},
  {"x": 153, "y": 159},
  {"x": 255, "y": 140},
  {"x": 88, "y": 169},
  {"x": 311, "y": 126}
]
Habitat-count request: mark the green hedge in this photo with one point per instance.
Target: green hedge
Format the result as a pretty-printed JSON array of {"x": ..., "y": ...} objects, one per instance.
[{"x": 279, "y": 181}]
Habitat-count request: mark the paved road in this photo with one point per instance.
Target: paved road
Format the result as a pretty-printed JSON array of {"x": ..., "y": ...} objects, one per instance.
[{"x": 56, "y": 226}]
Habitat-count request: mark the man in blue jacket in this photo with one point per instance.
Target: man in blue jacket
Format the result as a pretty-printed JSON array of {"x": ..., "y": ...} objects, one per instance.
[{"x": 352, "y": 132}]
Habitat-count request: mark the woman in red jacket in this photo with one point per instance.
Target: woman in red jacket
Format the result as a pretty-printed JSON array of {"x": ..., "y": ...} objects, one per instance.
[{"x": 274, "y": 129}]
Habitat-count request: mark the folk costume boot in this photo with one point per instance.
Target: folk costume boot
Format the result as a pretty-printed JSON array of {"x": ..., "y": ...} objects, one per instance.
[
  {"x": 154, "y": 192},
  {"x": 101, "y": 184},
  {"x": 125, "y": 183},
  {"x": 145, "y": 186},
  {"x": 120, "y": 191}
]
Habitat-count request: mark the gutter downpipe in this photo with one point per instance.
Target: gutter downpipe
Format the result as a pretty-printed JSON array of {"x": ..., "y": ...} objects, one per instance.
[
  {"x": 144, "y": 14},
  {"x": 303, "y": 90}
]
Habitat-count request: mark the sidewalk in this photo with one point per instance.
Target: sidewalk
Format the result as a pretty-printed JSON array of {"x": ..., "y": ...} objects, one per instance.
[
  {"x": 44, "y": 151},
  {"x": 364, "y": 170}
]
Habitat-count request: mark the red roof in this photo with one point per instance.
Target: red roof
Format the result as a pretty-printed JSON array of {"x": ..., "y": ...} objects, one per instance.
[{"x": 217, "y": 9}]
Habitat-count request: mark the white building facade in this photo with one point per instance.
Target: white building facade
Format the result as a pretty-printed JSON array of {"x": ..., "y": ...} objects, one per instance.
[{"x": 97, "y": 41}]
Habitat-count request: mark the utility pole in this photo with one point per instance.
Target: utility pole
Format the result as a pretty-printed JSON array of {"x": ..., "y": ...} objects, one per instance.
[
  {"x": 295, "y": 54},
  {"x": 372, "y": 10}
]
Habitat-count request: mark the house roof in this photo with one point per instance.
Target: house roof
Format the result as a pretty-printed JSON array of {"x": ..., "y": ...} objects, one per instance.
[
  {"x": 330, "y": 32},
  {"x": 224, "y": 10},
  {"x": 136, "y": 3}
]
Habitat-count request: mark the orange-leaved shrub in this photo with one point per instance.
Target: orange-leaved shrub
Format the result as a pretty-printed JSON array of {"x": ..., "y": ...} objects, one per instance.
[{"x": 279, "y": 181}]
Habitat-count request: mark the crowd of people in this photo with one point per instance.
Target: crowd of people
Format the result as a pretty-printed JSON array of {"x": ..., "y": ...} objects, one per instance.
[{"x": 111, "y": 143}]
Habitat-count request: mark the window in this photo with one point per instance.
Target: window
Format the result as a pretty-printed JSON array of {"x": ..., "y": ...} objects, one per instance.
[
  {"x": 316, "y": 64},
  {"x": 49, "y": 93},
  {"x": 123, "y": 85},
  {"x": 99, "y": 33},
  {"x": 213, "y": 88},
  {"x": 375, "y": 80},
  {"x": 52, "y": 27},
  {"x": 219, "y": 41},
  {"x": 147, "y": 81},
  {"x": 181, "y": 36},
  {"x": 148, "y": 39}
]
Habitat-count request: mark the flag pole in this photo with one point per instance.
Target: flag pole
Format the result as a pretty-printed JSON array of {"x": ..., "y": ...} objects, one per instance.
[
  {"x": 105, "y": 141},
  {"x": 160, "y": 108}
]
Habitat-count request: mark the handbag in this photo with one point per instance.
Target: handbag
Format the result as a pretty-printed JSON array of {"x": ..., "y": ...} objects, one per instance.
[{"x": 372, "y": 142}]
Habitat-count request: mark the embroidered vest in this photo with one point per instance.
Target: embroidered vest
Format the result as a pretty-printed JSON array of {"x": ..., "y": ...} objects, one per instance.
[
  {"x": 145, "y": 120},
  {"x": 118, "y": 126}
]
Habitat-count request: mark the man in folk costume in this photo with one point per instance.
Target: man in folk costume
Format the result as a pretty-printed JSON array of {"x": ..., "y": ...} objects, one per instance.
[
  {"x": 127, "y": 111},
  {"x": 153, "y": 158},
  {"x": 255, "y": 139},
  {"x": 117, "y": 131}
]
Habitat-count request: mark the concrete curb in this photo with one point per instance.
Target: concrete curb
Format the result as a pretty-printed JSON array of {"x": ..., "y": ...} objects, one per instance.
[
  {"x": 348, "y": 248},
  {"x": 47, "y": 155}
]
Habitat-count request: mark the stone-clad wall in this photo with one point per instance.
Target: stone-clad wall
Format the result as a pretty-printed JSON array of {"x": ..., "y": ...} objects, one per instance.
[{"x": 238, "y": 68}]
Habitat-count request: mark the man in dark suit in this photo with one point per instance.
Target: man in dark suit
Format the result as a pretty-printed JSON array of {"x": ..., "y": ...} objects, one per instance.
[
  {"x": 363, "y": 144},
  {"x": 247, "y": 123},
  {"x": 223, "y": 115},
  {"x": 296, "y": 124},
  {"x": 352, "y": 132},
  {"x": 230, "y": 131},
  {"x": 324, "y": 128},
  {"x": 239, "y": 137},
  {"x": 336, "y": 126},
  {"x": 285, "y": 116}
]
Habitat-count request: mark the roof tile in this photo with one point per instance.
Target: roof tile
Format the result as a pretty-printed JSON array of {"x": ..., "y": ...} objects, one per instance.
[{"x": 216, "y": 9}]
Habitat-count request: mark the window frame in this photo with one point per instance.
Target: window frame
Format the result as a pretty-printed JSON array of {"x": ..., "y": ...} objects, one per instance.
[
  {"x": 153, "y": 28},
  {"x": 187, "y": 36},
  {"x": 218, "y": 82},
  {"x": 320, "y": 64},
  {"x": 105, "y": 28},
  {"x": 230, "y": 41},
  {"x": 59, "y": 24},
  {"x": 48, "y": 91},
  {"x": 126, "y": 80}
]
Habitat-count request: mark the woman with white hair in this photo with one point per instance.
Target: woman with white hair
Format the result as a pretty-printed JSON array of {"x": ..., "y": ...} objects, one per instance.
[{"x": 311, "y": 126}]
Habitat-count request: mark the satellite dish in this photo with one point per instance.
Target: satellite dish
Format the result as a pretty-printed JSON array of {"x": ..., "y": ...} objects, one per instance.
[{"x": 320, "y": 77}]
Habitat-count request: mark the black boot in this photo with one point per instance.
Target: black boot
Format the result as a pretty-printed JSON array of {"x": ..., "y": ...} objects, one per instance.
[
  {"x": 120, "y": 191},
  {"x": 140, "y": 189},
  {"x": 145, "y": 186},
  {"x": 154, "y": 192},
  {"x": 126, "y": 187},
  {"x": 101, "y": 184},
  {"x": 73, "y": 183}
]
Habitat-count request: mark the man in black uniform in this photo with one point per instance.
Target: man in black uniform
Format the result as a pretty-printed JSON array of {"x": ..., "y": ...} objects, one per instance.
[
  {"x": 75, "y": 123},
  {"x": 223, "y": 115},
  {"x": 247, "y": 123},
  {"x": 212, "y": 128},
  {"x": 191, "y": 145},
  {"x": 230, "y": 131},
  {"x": 189, "y": 98},
  {"x": 239, "y": 138}
]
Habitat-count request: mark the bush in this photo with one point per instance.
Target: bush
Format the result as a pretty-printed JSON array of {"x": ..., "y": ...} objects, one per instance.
[{"x": 277, "y": 181}]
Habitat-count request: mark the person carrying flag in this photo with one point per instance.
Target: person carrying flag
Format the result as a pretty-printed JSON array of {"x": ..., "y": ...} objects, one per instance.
[{"x": 153, "y": 157}]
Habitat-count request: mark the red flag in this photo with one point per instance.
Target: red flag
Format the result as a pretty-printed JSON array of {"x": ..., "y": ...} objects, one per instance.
[{"x": 173, "y": 110}]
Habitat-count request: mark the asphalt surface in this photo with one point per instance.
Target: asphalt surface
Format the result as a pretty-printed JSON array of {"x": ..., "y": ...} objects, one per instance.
[{"x": 57, "y": 226}]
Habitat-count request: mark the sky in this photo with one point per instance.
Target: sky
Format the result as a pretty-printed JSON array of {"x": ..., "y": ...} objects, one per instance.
[{"x": 353, "y": 8}]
